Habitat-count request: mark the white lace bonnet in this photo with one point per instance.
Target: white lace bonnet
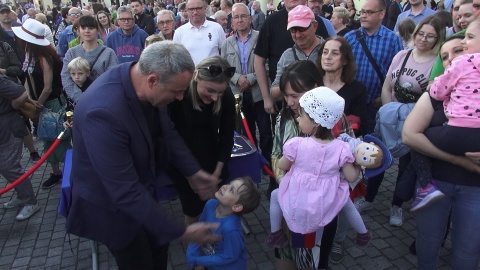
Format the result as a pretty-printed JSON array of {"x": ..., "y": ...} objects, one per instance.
[{"x": 323, "y": 105}]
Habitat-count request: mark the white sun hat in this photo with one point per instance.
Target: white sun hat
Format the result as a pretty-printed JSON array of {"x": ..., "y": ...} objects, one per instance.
[
  {"x": 323, "y": 105},
  {"x": 32, "y": 31}
]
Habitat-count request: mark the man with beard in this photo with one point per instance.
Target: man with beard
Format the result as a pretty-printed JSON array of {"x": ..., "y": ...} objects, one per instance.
[
  {"x": 143, "y": 20},
  {"x": 417, "y": 13}
]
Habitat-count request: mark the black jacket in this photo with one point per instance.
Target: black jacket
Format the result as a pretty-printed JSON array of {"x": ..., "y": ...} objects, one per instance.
[{"x": 145, "y": 22}]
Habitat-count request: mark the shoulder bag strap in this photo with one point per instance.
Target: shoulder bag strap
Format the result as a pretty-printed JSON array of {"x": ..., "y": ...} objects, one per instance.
[
  {"x": 397, "y": 83},
  {"x": 96, "y": 58},
  {"x": 361, "y": 39},
  {"x": 295, "y": 53}
]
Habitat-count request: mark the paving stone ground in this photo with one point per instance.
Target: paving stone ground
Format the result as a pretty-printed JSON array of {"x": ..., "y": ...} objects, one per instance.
[{"x": 41, "y": 242}]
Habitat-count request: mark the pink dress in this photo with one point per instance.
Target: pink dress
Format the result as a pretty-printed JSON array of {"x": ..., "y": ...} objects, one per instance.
[{"x": 311, "y": 193}]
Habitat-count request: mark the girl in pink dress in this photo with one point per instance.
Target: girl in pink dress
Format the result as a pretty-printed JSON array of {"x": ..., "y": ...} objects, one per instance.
[{"x": 312, "y": 192}]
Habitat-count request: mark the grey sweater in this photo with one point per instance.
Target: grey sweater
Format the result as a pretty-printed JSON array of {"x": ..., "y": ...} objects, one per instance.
[
  {"x": 287, "y": 58},
  {"x": 107, "y": 60}
]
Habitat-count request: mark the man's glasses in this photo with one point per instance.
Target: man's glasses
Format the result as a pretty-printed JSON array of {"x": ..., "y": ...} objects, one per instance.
[
  {"x": 125, "y": 19},
  {"x": 294, "y": 30},
  {"x": 77, "y": 15},
  {"x": 369, "y": 12},
  {"x": 243, "y": 17},
  {"x": 428, "y": 37},
  {"x": 193, "y": 9},
  {"x": 217, "y": 70},
  {"x": 165, "y": 22}
]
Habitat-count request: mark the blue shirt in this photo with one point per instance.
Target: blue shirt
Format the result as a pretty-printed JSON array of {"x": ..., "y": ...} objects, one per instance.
[
  {"x": 230, "y": 253},
  {"x": 243, "y": 49},
  {"x": 416, "y": 18},
  {"x": 384, "y": 45},
  {"x": 328, "y": 24}
]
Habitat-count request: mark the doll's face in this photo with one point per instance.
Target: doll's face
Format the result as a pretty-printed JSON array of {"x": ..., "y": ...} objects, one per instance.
[{"x": 364, "y": 154}]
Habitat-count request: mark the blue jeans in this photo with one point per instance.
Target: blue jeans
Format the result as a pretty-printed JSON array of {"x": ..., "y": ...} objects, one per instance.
[{"x": 432, "y": 221}]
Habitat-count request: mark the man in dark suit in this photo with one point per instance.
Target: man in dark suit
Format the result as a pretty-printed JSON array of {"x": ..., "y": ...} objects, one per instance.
[
  {"x": 259, "y": 17},
  {"x": 124, "y": 143},
  {"x": 393, "y": 11}
]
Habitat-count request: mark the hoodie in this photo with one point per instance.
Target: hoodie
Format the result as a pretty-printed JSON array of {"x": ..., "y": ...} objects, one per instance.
[
  {"x": 127, "y": 47},
  {"x": 459, "y": 89}
]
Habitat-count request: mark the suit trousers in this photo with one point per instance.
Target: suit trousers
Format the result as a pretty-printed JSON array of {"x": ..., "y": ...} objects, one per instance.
[{"x": 141, "y": 253}]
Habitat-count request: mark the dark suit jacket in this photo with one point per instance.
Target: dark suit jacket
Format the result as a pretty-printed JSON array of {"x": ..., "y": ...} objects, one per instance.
[
  {"x": 114, "y": 173},
  {"x": 258, "y": 20},
  {"x": 393, "y": 13}
]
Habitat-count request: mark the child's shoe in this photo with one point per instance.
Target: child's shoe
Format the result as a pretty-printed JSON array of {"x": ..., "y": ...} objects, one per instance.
[
  {"x": 277, "y": 239},
  {"x": 426, "y": 196},
  {"x": 363, "y": 239}
]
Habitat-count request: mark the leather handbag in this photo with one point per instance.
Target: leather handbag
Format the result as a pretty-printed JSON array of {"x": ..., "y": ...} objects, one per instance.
[
  {"x": 402, "y": 94},
  {"x": 29, "y": 110}
]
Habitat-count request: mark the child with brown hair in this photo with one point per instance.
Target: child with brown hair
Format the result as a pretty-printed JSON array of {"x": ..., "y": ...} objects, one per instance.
[{"x": 240, "y": 196}]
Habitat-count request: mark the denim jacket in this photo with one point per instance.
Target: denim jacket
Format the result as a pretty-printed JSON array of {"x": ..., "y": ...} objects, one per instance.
[{"x": 390, "y": 119}]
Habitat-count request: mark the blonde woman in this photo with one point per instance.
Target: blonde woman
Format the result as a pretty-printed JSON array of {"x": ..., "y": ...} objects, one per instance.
[{"x": 205, "y": 119}]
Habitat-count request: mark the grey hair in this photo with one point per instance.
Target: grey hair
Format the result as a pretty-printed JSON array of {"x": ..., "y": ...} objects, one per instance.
[
  {"x": 182, "y": 5},
  {"x": 166, "y": 11},
  {"x": 125, "y": 9},
  {"x": 256, "y": 2},
  {"x": 241, "y": 5},
  {"x": 203, "y": 1},
  {"x": 165, "y": 59},
  {"x": 220, "y": 12}
]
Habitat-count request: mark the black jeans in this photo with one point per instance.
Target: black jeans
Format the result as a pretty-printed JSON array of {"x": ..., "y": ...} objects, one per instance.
[
  {"x": 141, "y": 253},
  {"x": 255, "y": 114}
]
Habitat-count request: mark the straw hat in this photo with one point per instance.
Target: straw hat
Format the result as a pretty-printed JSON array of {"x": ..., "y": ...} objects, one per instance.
[{"x": 32, "y": 31}]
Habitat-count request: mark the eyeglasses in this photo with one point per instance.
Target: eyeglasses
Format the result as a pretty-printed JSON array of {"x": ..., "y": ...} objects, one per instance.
[
  {"x": 369, "y": 12},
  {"x": 428, "y": 37},
  {"x": 193, "y": 9},
  {"x": 78, "y": 15},
  {"x": 165, "y": 22},
  {"x": 294, "y": 30},
  {"x": 125, "y": 19},
  {"x": 217, "y": 70},
  {"x": 243, "y": 17}
]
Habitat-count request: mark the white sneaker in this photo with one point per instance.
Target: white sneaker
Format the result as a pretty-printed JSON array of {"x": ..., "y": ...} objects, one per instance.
[
  {"x": 15, "y": 202},
  {"x": 396, "y": 216},
  {"x": 363, "y": 205},
  {"x": 27, "y": 211}
]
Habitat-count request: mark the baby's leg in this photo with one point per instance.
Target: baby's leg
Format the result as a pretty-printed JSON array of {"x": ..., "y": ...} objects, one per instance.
[
  {"x": 364, "y": 237},
  {"x": 423, "y": 168},
  {"x": 275, "y": 212},
  {"x": 353, "y": 216},
  {"x": 276, "y": 238}
]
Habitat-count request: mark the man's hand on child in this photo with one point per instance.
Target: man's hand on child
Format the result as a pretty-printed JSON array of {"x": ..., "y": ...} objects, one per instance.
[{"x": 201, "y": 233}]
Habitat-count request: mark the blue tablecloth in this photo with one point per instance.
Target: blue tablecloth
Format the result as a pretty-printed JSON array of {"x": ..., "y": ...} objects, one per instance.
[
  {"x": 63, "y": 206},
  {"x": 245, "y": 161}
]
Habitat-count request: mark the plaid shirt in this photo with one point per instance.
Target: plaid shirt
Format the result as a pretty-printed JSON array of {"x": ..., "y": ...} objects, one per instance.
[{"x": 383, "y": 45}]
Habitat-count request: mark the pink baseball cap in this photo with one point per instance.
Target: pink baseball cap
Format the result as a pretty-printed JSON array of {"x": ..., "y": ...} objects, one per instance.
[{"x": 300, "y": 16}]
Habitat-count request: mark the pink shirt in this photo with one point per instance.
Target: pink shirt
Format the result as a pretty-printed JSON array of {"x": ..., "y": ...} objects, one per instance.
[
  {"x": 459, "y": 88},
  {"x": 415, "y": 74},
  {"x": 311, "y": 193}
]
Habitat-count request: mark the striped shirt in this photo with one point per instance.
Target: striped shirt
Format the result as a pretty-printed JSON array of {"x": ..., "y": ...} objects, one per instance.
[{"x": 383, "y": 45}]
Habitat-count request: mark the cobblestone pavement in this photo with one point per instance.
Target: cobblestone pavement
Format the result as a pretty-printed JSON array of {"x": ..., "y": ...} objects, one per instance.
[{"x": 41, "y": 241}]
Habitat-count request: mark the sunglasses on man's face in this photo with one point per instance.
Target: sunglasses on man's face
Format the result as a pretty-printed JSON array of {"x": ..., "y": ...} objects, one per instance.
[{"x": 217, "y": 70}]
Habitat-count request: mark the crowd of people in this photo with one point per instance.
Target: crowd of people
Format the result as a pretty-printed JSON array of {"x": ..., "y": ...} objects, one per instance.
[{"x": 152, "y": 88}]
